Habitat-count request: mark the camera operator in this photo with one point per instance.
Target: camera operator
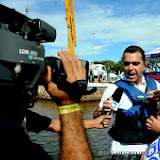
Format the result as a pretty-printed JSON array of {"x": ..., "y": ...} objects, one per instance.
[{"x": 15, "y": 143}]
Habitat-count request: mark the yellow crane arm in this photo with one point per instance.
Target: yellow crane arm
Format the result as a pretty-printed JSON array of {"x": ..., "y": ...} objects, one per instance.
[{"x": 70, "y": 17}]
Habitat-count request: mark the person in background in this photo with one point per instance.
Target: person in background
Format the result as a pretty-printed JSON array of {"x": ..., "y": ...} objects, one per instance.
[
  {"x": 91, "y": 76},
  {"x": 129, "y": 133},
  {"x": 95, "y": 73}
]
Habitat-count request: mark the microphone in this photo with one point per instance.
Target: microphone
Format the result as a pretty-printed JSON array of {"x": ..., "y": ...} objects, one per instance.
[
  {"x": 114, "y": 107},
  {"x": 115, "y": 102}
]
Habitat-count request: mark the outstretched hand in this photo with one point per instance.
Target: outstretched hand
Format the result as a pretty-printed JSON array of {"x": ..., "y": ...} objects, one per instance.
[{"x": 99, "y": 120}]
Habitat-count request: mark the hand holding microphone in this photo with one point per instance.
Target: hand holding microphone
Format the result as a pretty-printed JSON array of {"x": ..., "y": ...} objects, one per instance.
[{"x": 109, "y": 106}]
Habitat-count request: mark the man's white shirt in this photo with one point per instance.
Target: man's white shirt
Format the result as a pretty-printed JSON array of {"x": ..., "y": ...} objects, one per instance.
[{"x": 125, "y": 103}]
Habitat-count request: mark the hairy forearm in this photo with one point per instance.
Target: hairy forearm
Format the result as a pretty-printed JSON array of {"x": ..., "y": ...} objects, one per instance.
[{"x": 73, "y": 136}]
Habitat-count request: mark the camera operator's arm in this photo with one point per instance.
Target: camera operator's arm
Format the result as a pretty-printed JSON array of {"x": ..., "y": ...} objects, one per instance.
[{"x": 74, "y": 141}]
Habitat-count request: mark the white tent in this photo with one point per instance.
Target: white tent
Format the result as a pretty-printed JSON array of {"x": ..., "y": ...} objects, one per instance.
[{"x": 153, "y": 55}]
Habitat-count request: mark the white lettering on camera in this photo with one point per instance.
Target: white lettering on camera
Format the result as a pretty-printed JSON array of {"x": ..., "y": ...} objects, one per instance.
[{"x": 28, "y": 52}]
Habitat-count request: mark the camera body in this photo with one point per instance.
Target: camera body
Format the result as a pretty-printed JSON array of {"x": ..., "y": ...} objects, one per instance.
[
  {"x": 20, "y": 40},
  {"x": 58, "y": 70}
]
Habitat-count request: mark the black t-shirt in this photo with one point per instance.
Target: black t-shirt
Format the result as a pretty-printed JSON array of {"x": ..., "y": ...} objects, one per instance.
[
  {"x": 15, "y": 143},
  {"x": 36, "y": 122}
]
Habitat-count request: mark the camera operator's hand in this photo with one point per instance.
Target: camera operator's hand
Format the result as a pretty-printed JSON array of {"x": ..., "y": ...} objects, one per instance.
[
  {"x": 74, "y": 70},
  {"x": 73, "y": 138}
]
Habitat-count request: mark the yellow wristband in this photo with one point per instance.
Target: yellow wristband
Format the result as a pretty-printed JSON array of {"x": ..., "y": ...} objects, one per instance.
[{"x": 69, "y": 108}]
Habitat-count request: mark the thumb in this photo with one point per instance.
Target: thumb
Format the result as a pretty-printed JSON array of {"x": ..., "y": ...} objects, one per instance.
[
  {"x": 48, "y": 75},
  {"x": 150, "y": 92},
  {"x": 108, "y": 116}
]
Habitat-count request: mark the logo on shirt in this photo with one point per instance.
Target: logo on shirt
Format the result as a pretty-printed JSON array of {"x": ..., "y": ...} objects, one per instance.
[{"x": 140, "y": 96}]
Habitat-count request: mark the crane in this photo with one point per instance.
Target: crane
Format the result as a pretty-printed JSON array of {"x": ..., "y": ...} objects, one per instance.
[
  {"x": 27, "y": 8},
  {"x": 70, "y": 18}
]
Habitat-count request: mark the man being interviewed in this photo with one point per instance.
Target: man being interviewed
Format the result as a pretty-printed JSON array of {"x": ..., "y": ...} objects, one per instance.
[{"x": 129, "y": 133}]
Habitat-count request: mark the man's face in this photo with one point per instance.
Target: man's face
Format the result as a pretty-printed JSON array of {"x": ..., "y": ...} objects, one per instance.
[{"x": 133, "y": 66}]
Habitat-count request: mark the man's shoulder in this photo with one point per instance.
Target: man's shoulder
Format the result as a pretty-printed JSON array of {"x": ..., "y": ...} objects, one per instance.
[{"x": 111, "y": 88}]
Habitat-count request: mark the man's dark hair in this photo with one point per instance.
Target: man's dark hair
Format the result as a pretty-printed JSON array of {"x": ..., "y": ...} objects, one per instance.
[{"x": 133, "y": 49}]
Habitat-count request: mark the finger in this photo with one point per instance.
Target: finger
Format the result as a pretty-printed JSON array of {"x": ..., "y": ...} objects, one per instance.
[
  {"x": 148, "y": 125},
  {"x": 107, "y": 105},
  {"x": 151, "y": 92},
  {"x": 67, "y": 64},
  {"x": 148, "y": 120},
  {"x": 107, "y": 102},
  {"x": 107, "y": 117},
  {"x": 106, "y": 110},
  {"x": 157, "y": 92},
  {"x": 158, "y": 117},
  {"x": 152, "y": 118},
  {"x": 151, "y": 96},
  {"x": 75, "y": 66},
  {"x": 79, "y": 69},
  {"x": 154, "y": 95},
  {"x": 48, "y": 76},
  {"x": 106, "y": 125},
  {"x": 110, "y": 98}
]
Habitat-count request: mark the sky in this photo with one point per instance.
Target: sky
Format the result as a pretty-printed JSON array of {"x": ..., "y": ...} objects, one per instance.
[{"x": 104, "y": 28}]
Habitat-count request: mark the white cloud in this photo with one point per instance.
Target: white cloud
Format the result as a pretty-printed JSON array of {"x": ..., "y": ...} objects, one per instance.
[
  {"x": 141, "y": 29},
  {"x": 112, "y": 30}
]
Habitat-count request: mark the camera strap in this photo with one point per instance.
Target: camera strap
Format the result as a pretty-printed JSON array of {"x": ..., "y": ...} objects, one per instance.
[{"x": 75, "y": 90}]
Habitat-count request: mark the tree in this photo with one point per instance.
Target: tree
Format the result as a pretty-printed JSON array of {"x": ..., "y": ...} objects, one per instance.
[{"x": 111, "y": 66}]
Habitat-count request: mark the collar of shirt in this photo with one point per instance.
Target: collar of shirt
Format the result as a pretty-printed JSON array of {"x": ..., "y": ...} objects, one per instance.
[{"x": 142, "y": 85}]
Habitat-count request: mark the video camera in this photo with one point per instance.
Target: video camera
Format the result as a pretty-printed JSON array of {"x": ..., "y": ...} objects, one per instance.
[{"x": 22, "y": 57}]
